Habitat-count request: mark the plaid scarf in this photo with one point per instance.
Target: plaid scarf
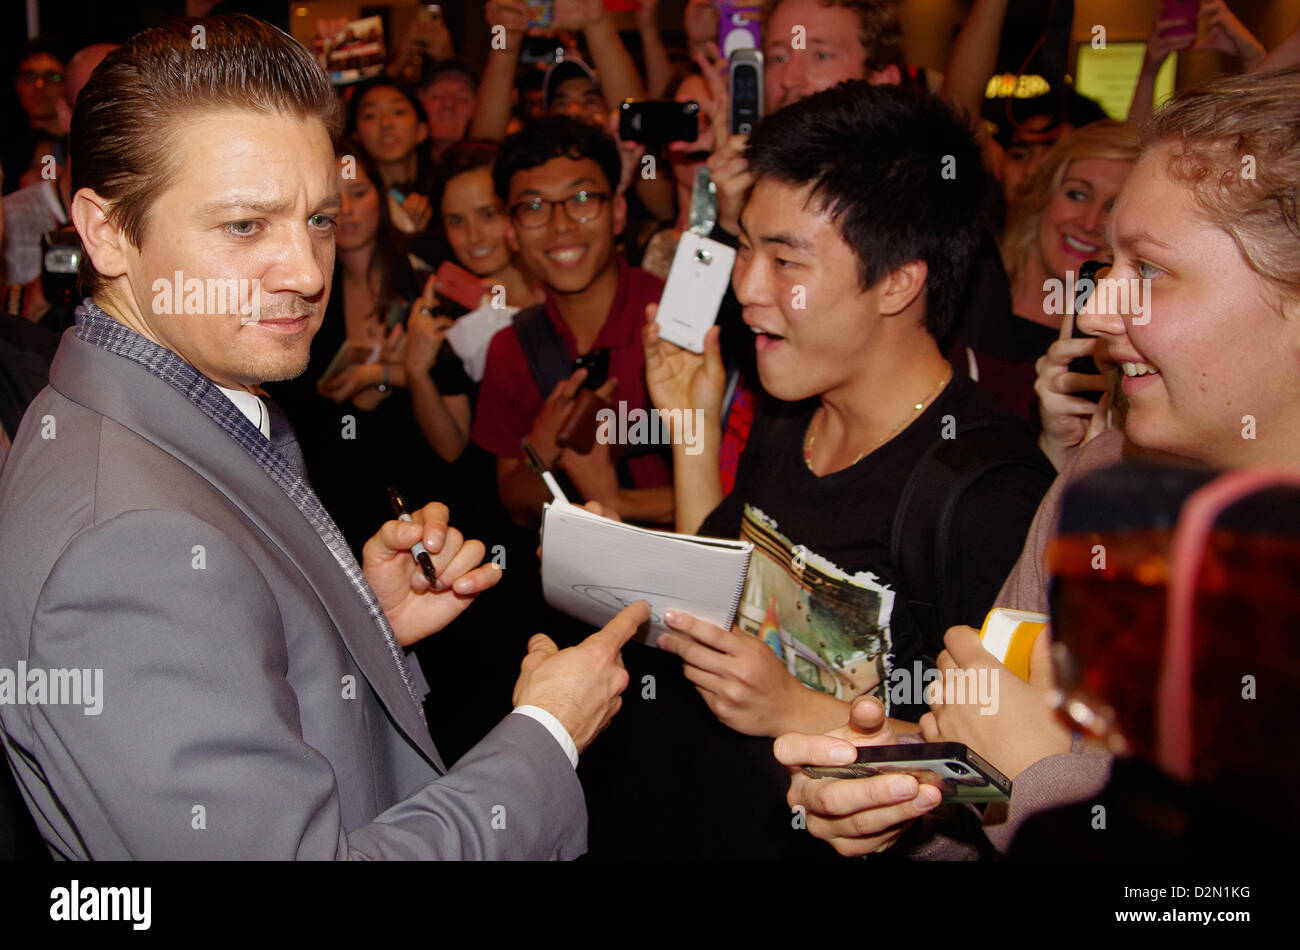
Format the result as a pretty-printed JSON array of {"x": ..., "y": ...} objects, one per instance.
[{"x": 97, "y": 328}]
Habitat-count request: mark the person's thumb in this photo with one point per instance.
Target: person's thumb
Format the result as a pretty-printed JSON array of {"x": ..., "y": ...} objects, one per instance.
[
  {"x": 1041, "y": 673},
  {"x": 867, "y": 716},
  {"x": 542, "y": 645},
  {"x": 1100, "y": 419}
]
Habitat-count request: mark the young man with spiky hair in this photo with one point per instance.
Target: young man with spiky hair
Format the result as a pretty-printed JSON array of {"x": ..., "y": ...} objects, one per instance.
[
  {"x": 886, "y": 497},
  {"x": 158, "y": 530}
]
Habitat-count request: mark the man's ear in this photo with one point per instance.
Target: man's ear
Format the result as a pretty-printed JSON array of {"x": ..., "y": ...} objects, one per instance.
[
  {"x": 901, "y": 287},
  {"x": 889, "y": 76},
  {"x": 512, "y": 236},
  {"x": 105, "y": 243},
  {"x": 620, "y": 214},
  {"x": 421, "y": 132}
]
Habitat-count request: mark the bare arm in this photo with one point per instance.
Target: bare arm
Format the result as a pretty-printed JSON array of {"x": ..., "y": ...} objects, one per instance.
[
  {"x": 506, "y": 19},
  {"x": 1287, "y": 54},
  {"x": 658, "y": 70},
  {"x": 619, "y": 79},
  {"x": 697, "y": 479},
  {"x": 521, "y": 491},
  {"x": 694, "y": 383},
  {"x": 444, "y": 420},
  {"x": 974, "y": 56},
  {"x": 1158, "y": 50},
  {"x": 647, "y": 505}
]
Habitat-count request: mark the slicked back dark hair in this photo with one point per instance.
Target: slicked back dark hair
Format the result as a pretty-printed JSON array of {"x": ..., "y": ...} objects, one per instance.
[
  {"x": 554, "y": 136},
  {"x": 131, "y": 112},
  {"x": 899, "y": 173}
]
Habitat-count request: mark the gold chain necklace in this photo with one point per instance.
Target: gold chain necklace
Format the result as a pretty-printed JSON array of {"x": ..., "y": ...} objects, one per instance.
[{"x": 812, "y": 438}]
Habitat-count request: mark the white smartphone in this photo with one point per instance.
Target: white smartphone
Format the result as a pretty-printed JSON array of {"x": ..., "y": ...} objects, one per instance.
[{"x": 696, "y": 285}]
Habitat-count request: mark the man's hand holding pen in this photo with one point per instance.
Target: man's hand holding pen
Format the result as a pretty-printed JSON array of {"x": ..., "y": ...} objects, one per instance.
[{"x": 415, "y": 607}]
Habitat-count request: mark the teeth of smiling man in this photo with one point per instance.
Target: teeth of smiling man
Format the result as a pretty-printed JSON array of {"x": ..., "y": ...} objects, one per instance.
[
  {"x": 480, "y": 252},
  {"x": 566, "y": 256},
  {"x": 1080, "y": 246},
  {"x": 1139, "y": 369}
]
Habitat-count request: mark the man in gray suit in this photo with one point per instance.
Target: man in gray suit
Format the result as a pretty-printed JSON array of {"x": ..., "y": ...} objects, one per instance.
[{"x": 251, "y": 696}]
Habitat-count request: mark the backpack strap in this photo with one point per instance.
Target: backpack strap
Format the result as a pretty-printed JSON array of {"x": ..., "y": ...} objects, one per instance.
[
  {"x": 548, "y": 358},
  {"x": 921, "y": 534}
]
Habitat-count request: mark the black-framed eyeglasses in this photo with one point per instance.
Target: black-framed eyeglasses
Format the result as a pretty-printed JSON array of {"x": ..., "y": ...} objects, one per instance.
[{"x": 537, "y": 212}]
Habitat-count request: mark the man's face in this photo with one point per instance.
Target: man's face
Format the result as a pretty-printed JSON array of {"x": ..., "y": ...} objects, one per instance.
[
  {"x": 449, "y": 102},
  {"x": 568, "y": 255},
  {"x": 1032, "y": 140},
  {"x": 579, "y": 98},
  {"x": 40, "y": 85},
  {"x": 797, "y": 280},
  {"x": 532, "y": 104},
  {"x": 831, "y": 53},
  {"x": 261, "y": 208}
]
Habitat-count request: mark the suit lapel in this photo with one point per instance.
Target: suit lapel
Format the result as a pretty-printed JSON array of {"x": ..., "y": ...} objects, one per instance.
[{"x": 133, "y": 397}]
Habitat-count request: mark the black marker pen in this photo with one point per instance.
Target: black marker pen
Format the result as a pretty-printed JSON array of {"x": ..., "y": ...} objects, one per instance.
[{"x": 417, "y": 550}]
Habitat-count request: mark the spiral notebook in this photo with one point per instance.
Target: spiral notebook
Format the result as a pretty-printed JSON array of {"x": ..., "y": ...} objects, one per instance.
[{"x": 593, "y": 567}]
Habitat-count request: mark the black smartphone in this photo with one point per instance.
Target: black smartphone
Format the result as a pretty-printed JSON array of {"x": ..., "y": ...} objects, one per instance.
[
  {"x": 1084, "y": 286},
  {"x": 951, "y": 767},
  {"x": 597, "y": 365},
  {"x": 658, "y": 121},
  {"x": 745, "y": 86}
]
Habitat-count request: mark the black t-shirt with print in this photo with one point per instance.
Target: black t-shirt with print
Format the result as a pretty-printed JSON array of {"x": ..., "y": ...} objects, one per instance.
[
  {"x": 822, "y": 544},
  {"x": 669, "y": 780}
]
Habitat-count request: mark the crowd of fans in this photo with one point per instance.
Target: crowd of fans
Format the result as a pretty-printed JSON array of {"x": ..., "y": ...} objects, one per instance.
[{"x": 894, "y": 310}]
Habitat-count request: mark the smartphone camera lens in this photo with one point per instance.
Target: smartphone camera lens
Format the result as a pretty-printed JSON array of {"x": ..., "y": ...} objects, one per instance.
[{"x": 958, "y": 769}]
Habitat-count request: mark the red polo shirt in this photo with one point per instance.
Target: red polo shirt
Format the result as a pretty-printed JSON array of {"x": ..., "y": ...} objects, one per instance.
[{"x": 508, "y": 399}]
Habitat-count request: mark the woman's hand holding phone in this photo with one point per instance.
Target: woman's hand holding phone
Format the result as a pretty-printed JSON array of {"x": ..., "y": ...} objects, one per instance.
[{"x": 1069, "y": 421}]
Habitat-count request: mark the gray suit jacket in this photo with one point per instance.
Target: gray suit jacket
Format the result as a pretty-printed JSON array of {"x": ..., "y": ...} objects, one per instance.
[{"x": 251, "y": 708}]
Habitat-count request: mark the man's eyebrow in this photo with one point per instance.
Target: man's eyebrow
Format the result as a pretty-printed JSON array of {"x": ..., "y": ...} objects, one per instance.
[
  {"x": 262, "y": 205},
  {"x": 573, "y": 184},
  {"x": 257, "y": 203},
  {"x": 786, "y": 239}
]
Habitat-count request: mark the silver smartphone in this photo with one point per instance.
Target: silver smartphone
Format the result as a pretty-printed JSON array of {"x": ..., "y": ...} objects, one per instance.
[{"x": 960, "y": 774}]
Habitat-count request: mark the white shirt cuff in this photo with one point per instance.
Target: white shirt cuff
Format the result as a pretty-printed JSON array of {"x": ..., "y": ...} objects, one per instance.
[{"x": 555, "y": 728}]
